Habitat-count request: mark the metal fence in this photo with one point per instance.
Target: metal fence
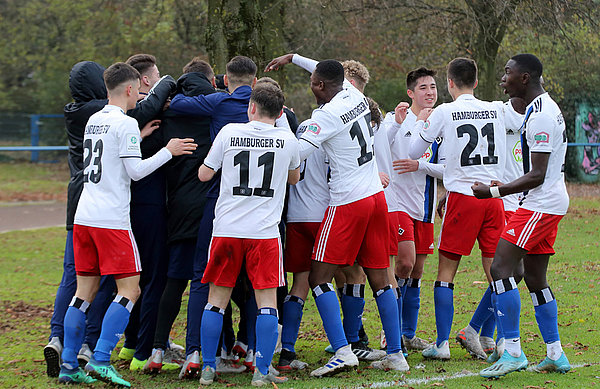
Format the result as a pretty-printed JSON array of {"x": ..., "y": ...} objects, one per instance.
[{"x": 43, "y": 135}]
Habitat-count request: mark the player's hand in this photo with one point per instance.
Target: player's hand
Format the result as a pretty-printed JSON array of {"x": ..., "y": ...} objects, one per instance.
[
  {"x": 279, "y": 62},
  {"x": 496, "y": 183},
  {"x": 179, "y": 146},
  {"x": 481, "y": 190},
  {"x": 405, "y": 165},
  {"x": 424, "y": 114},
  {"x": 149, "y": 128},
  {"x": 385, "y": 179},
  {"x": 441, "y": 208},
  {"x": 400, "y": 112}
]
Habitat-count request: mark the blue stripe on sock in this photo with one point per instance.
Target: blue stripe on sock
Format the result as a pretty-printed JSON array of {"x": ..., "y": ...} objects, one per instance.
[
  {"x": 387, "y": 304},
  {"x": 329, "y": 309},
  {"x": 292, "y": 316},
  {"x": 266, "y": 340},
  {"x": 546, "y": 316},
  {"x": 74, "y": 327},
  {"x": 113, "y": 326},
  {"x": 210, "y": 332}
]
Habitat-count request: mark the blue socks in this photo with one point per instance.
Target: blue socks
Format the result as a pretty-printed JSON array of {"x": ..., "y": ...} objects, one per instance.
[
  {"x": 483, "y": 312},
  {"x": 411, "y": 302},
  {"x": 74, "y": 325},
  {"x": 387, "y": 304},
  {"x": 508, "y": 307},
  {"x": 251, "y": 321},
  {"x": 400, "y": 304},
  {"x": 353, "y": 304},
  {"x": 499, "y": 333},
  {"x": 266, "y": 338},
  {"x": 546, "y": 314},
  {"x": 329, "y": 310},
  {"x": 443, "y": 297},
  {"x": 113, "y": 325},
  {"x": 292, "y": 316},
  {"x": 210, "y": 333}
]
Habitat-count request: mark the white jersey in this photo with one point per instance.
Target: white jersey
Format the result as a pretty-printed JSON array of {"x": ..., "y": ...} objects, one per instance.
[
  {"x": 544, "y": 130},
  {"x": 383, "y": 156},
  {"x": 254, "y": 159},
  {"x": 416, "y": 191},
  {"x": 514, "y": 154},
  {"x": 109, "y": 136},
  {"x": 342, "y": 127},
  {"x": 309, "y": 198},
  {"x": 474, "y": 141}
]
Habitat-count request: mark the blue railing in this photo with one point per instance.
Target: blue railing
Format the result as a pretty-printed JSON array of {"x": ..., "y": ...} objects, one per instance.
[{"x": 35, "y": 148}]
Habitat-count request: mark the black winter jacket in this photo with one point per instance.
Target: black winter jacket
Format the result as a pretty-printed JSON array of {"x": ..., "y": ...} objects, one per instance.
[
  {"x": 185, "y": 192},
  {"x": 89, "y": 94}
]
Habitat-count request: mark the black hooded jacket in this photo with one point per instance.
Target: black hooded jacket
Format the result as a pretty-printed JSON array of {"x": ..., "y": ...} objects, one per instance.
[
  {"x": 185, "y": 192},
  {"x": 89, "y": 94}
]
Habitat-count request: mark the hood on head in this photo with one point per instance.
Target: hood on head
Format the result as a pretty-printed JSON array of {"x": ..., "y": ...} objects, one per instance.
[
  {"x": 87, "y": 82},
  {"x": 192, "y": 84}
]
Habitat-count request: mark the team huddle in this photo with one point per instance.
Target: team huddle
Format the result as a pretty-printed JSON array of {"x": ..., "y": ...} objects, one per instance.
[{"x": 230, "y": 192}]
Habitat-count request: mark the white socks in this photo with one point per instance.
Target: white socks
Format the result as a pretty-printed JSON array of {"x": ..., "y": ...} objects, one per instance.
[
  {"x": 554, "y": 350},
  {"x": 513, "y": 347}
]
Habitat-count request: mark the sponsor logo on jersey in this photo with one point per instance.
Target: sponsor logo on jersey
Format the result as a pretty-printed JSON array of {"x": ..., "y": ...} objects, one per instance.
[
  {"x": 517, "y": 152},
  {"x": 426, "y": 125},
  {"x": 408, "y": 134},
  {"x": 314, "y": 128},
  {"x": 133, "y": 140},
  {"x": 132, "y": 143},
  {"x": 427, "y": 154},
  {"x": 400, "y": 231},
  {"x": 541, "y": 137},
  {"x": 511, "y": 232}
]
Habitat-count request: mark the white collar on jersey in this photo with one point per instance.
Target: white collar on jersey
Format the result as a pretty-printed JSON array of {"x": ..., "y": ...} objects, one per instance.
[
  {"x": 260, "y": 125},
  {"x": 108, "y": 108},
  {"x": 466, "y": 96}
]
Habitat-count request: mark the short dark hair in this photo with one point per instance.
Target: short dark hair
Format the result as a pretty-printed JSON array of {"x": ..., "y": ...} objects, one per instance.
[
  {"x": 529, "y": 63},
  {"x": 463, "y": 71},
  {"x": 331, "y": 71},
  {"x": 119, "y": 73},
  {"x": 198, "y": 65},
  {"x": 268, "y": 99},
  {"x": 241, "y": 70},
  {"x": 141, "y": 62},
  {"x": 413, "y": 76}
]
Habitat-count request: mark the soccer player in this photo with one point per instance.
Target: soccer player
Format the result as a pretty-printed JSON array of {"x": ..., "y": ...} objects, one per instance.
[
  {"x": 357, "y": 214},
  {"x": 306, "y": 206},
  {"x": 89, "y": 94},
  {"x": 483, "y": 318},
  {"x": 103, "y": 241},
  {"x": 149, "y": 226},
  {"x": 416, "y": 190},
  {"x": 473, "y": 131},
  {"x": 256, "y": 159},
  {"x": 531, "y": 232}
]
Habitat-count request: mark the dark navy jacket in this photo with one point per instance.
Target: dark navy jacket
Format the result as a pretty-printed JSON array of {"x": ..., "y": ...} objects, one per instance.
[{"x": 222, "y": 108}]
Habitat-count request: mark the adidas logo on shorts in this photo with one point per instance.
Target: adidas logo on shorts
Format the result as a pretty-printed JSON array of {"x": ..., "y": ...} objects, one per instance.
[{"x": 511, "y": 232}]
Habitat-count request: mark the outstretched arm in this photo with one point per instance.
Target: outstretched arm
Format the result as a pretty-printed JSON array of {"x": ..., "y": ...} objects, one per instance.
[{"x": 279, "y": 62}]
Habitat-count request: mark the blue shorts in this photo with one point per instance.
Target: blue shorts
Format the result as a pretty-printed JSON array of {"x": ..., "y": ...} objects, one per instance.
[{"x": 181, "y": 259}]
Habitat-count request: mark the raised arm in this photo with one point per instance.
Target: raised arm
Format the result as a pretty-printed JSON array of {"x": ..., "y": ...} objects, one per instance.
[
  {"x": 194, "y": 105},
  {"x": 279, "y": 62}
]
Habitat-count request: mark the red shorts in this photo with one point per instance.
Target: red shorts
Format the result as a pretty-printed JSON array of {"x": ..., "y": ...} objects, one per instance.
[
  {"x": 417, "y": 231},
  {"x": 264, "y": 262},
  {"x": 355, "y": 232},
  {"x": 507, "y": 216},
  {"x": 467, "y": 219},
  {"x": 299, "y": 242},
  {"x": 393, "y": 218},
  {"x": 102, "y": 251},
  {"x": 532, "y": 231}
]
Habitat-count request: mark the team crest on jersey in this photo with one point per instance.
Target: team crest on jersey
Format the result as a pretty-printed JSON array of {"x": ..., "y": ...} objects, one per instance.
[
  {"x": 132, "y": 141},
  {"x": 541, "y": 137},
  {"x": 400, "y": 231},
  {"x": 517, "y": 152},
  {"x": 314, "y": 128}
]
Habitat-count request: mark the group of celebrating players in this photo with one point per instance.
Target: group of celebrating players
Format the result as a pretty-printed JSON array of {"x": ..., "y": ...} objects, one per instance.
[{"x": 207, "y": 199}]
